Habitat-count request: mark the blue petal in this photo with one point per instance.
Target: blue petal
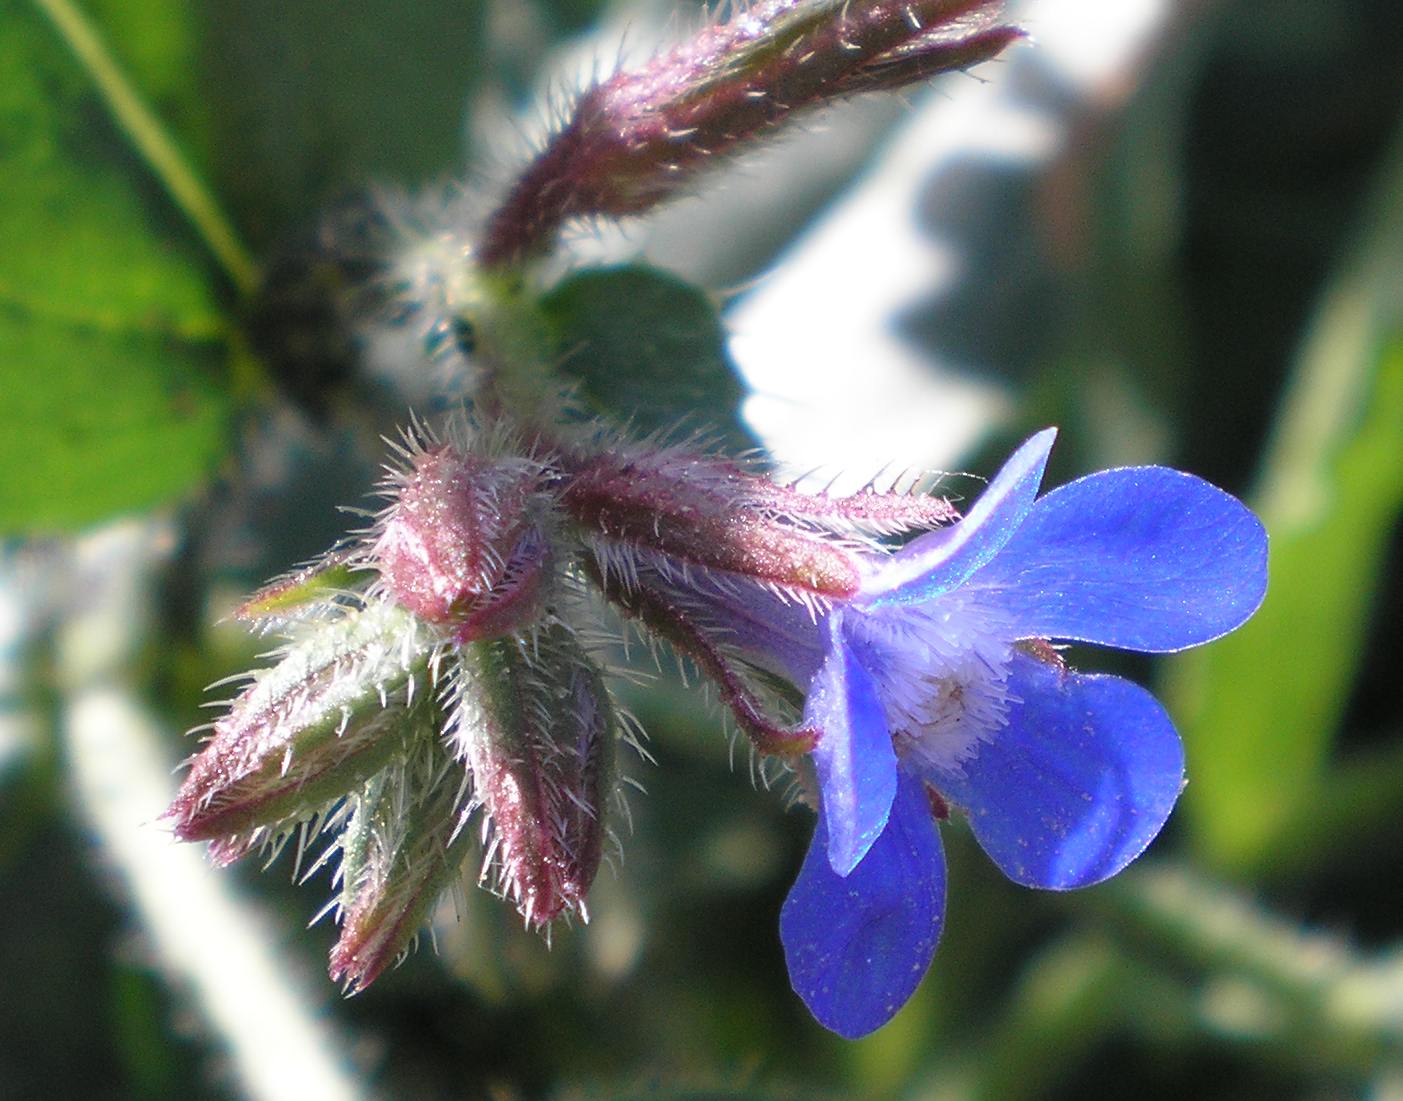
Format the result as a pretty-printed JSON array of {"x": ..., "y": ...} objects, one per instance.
[
  {"x": 854, "y": 757},
  {"x": 1079, "y": 781},
  {"x": 1143, "y": 558},
  {"x": 942, "y": 560},
  {"x": 858, "y": 946}
]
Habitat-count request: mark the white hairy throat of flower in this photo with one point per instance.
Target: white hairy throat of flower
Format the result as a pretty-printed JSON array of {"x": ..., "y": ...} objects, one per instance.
[{"x": 942, "y": 671}]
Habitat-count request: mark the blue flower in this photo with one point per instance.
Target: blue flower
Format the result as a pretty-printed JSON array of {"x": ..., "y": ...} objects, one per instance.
[{"x": 935, "y": 687}]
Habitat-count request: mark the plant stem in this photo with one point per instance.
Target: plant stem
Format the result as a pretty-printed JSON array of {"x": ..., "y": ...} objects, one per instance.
[
  {"x": 1267, "y": 979},
  {"x": 154, "y": 143},
  {"x": 216, "y": 948}
]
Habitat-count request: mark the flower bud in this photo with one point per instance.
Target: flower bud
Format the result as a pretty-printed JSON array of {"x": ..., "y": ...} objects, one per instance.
[
  {"x": 640, "y": 137},
  {"x": 337, "y": 706},
  {"x": 539, "y": 733},
  {"x": 696, "y": 511},
  {"x": 403, "y": 845},
  {"x": 459, "y": 546}
]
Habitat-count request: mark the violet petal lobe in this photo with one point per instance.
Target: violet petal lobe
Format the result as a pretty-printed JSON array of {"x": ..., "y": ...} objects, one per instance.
[
  {"x": 1141, "y": 558},
  {"x": 858, "y": 946},
  {"x": 1076, "y": 784},
  {"x": 854, "y": 758},
  {"x": 938, "y": 562}
]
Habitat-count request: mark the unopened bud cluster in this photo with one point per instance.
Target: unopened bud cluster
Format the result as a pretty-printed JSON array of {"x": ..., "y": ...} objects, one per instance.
[
  {"x": 444, "y": 687},
  {"x": 438, "y": 692}
]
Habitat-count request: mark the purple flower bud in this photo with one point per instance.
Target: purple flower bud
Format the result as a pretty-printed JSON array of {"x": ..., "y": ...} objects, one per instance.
[
  {"x": 334, "y": 710},
  {"x": 403, "y": 845},
  {"x": 700, "y": 512},
  {"x": 640, "y": 137},
  {"x": 459, "y": 546},
  {"x": 536, "y": 727},
  {"x": 695, "y": 548}
]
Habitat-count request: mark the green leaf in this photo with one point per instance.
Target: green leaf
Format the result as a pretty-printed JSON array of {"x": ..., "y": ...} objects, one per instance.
[
  {"x": 108, "y": 325},
  {"x": 1263, "y": 706},
  {"x": 1260, "y": 710},
  {"x": 89, "y": 238},
  {"x": 649, "y": 350},
  {"x": 318, "y": 583},
  {"x": 100, "y": 423},
  {"x": 312, "y": 99}
]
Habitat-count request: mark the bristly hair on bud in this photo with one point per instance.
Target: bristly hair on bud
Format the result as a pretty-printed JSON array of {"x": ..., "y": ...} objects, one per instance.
[
  {"x": 337, "y": 707},
  {"x": 696, "y": 511},
  {"x": 640, "y": 137},
  {"x": 403, "y": 845},
  {"x": 531, "y": 718},
  {"x": 680, "y": 510},
  {"x": 462, "y": 543},
  {"x": 696, "y": 549}
]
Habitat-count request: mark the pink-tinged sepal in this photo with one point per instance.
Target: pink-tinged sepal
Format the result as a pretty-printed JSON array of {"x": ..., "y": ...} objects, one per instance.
[
  {"x": 403, "y": 845},
  {"x": 972, "y": 33},
  {"x": 869, "y": 512},
  {"x": 460, "y": 543},
  {"x": 533, "y": 722},
  {"x": 336, "y": 708},
  {"x": 697, "y": 512}
]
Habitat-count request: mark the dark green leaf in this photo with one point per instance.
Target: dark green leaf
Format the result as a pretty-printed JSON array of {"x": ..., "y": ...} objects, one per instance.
[
  {"x": 318, "y": 97},
  {"x": 649, "y": 350},
  {"x": 87, "y": 233}
]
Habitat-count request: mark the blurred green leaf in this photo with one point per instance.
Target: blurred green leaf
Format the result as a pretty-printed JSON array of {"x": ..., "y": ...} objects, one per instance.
[
  {"x": 156, "y": 41},
  {"x": 1358, "y": 798},
  {"x": 1260, "y": 709},
  {"x": 87, "y": 235},
  {"x": 649, "y": 350},
  {"x": 151, "y": 1062},
  {"x": 1066, "y": 1001},
  {"x": 572, "y": 15},
  {"x": 108, "y": 325},
  {"x": 100, "y": 422},
  {"x": 310, "y": 98},
  {"x": 1314, "y": 998}
]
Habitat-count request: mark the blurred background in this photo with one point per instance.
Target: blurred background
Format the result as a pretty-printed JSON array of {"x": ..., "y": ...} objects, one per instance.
[{"x": 1175, "y": 230}]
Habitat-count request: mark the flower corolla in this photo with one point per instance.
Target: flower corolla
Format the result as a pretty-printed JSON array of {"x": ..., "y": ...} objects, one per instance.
[{"x": 937, "y": 686}]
